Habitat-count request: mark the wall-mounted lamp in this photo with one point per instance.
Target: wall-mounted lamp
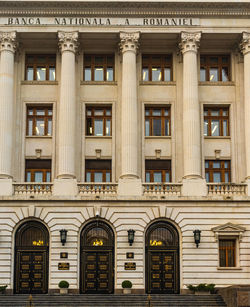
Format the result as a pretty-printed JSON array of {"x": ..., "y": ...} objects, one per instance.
[
  {"x": 131, "y": 236},
  {"x": 63, "y": 236},
  {"x": 197, "y": 237}
]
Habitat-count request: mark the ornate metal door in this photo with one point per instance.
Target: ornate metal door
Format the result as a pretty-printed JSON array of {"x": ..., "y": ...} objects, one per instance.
[
  {"x": 97, "y": 258},
  {"x": 31, "y": 259},
  {"x": 162, "y": 259}
]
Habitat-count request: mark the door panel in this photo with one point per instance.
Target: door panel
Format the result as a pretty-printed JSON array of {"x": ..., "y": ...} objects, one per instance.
[{"x": 31, "y": 272}]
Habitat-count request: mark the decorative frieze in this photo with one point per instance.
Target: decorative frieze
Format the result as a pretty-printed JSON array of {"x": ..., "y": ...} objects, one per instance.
[{"x": 68, "y": 41}]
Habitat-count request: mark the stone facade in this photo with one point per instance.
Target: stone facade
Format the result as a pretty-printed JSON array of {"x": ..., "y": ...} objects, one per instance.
[{"x": 127, "y": 30}]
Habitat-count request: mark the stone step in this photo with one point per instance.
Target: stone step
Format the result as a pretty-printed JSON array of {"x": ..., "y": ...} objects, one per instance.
[{"x": 112, "y": 300}]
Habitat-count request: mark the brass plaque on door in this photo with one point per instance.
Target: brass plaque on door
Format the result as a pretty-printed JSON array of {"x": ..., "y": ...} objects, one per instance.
[
  {"x": 63, "y": 266},
  {"x": 130, "y": 266}
]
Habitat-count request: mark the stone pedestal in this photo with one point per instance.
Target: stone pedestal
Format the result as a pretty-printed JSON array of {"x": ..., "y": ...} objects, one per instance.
[
  {"x": 6, "y": 187},
  {"x": 67, "y": 106},
  {"x": 65, "y": 187},
  {"x": 194, "y": 187},
  {"x": 130, "y": 187}
]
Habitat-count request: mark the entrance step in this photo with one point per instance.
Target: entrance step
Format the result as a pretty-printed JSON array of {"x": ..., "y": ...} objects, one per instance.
[{"x": 113, "y": 300}]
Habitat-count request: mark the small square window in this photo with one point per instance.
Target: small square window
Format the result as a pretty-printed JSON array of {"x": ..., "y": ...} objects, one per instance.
[
  {"x": 157, "y": 121},
  {"x": 215, "y": 68},
  {"x": 38, "y": 170},
  {"x": 158, "y": 171},
  {"x": 40, "y": 67},
  {"x": 98, "y": 121},
  {"x": 39, "y": 121},
  {"x": 98, "y": 170},
  {"x": 156, "y": 68},
  {"x": 99, "y": 68},
  {"x": 216, "y": 121}
]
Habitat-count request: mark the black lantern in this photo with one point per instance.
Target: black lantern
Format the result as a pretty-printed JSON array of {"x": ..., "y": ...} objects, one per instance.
[
  {"x": 63, "y": 235},
  {"x": 131, "y": 236},
  {"x": 197, "y": 237}
]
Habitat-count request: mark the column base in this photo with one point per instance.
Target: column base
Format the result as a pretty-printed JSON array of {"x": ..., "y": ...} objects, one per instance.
[
  {"x": 6, "y": 187},
  {"x": 65, "y": 187},
  {"x": 194, "y": 187},
  {"x": 130, "y": 187}
]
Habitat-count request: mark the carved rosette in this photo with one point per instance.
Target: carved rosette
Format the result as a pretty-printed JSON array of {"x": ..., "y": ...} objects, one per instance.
[
  {"x": 8, "y": 41},
  {"x": 68, "y": 41},
  {"x": 190, "y": 41},
  {"x": 245, "y": 43},
  {"x": 129, "y": 41}
]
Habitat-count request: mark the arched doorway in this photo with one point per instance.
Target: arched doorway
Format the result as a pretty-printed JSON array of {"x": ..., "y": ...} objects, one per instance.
[
  {"x": 31, "y": 258},
  {"x": 162, "y": 258},
  {"x": 97, "y": 258}
]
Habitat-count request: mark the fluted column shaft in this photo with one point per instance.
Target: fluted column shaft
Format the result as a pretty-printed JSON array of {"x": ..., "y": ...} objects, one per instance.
[
  {"x": 191, "y": 113},
  {"x": 67, "y": 106},
  {"x": 245, "y": 48},
  {"x": 129, "y": 121},
  {"x": 7, "y": 49}
]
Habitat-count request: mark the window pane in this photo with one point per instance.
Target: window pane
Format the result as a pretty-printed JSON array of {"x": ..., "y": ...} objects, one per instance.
[
  {"x": 41, "y": 73},
  {"x": 98, "y": 124},
  {"x": 110, "y": 75},
  {"x": 226, "y": 164},
  {"x": 207, "y": 177},
  {"x": 213, "y": 60},
  {"x": 50, "y": 112},
  {"x": 222, "y": 257},
  {"x": 89, "y": 126},
  {"x": 147, "y": 177},
  {"x": 156, "y": 113},
  {"x": 225, "y": 128},
  {"x": 88, "y": 177},
  {"x": 52, "y": 74},
  {"x": 156, "y": 127},
  {"x": 28, "y": 177},
  {"x": 205, "y": 127},
  {"x": 156, "y": 74},
  {"x": 40, "y": 112},
  {"x": 49, "y": 126},
  {"x": 206, "y": 164},
  {"x": 167, "y": 177},
  {"x": 108, "y": 179},
  {"x": 147, "y": 132},
  {"x": 157, "y": 177},
  {"x": 108, "y": 127},
  {"x": 108, "y": 112},
  {"x": 39, "y": 127},
  {"x": 98, "y": 177},
  {"x": 225, "y": 74},
  {"x": 98, "y": 112},
  {"x": 167, "y": 74},
  {"x": 30, "y": 124},
  {"x": 167, "y": 127},
  {"x": 147, "y": 112},
  {"x": 99, "y": 74},
  {"x": 215, "y": 113},
  {"x": 30, "y": 73},
  {"x": 216, "y": 177},
  {"x": 216, "y": 164},
  {"x": 48, "y": 177},
  {"x": 202, "y": 74},
  {"x": 226, "y": 177},
  {"x": 215, "y": 124},
  {"x": 145, "y": 74},
  {"x": 38, "y": 176},
  {"x": 213, "y": 74},
  {"x": 87, "y": 74},
  {"x": 231, "y": 257}
]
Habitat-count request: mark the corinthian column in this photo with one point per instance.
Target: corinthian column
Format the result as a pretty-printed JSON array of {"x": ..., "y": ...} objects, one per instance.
[
  {"x": 67, "y": 107},
  {"x": 7, "y": 50},
  {"x": 129, "y": 119},
  {"x": 191, "y": 115},
  {"x": 245, "y": 48}
]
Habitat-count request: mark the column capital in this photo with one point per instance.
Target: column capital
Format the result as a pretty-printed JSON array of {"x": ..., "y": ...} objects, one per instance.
[
  {"x": 245, "y": 43},
  {"x": 129, "y": 41},
  {"x": 68, "y": 41},
  {"x": 8, "y": 41},
  {"x": 190, "y": 41}
]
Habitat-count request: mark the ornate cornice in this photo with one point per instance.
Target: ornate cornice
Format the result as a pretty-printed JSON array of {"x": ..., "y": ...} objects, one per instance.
[
  {"x": 112, "y": 8},
  {"x": 245, "y": 43},
  {"x": 129, "y": 41},
  {"x": 8, "y": 41},
  {"x": 190, "y": 41},
  {"x": 68, "y": 41}
]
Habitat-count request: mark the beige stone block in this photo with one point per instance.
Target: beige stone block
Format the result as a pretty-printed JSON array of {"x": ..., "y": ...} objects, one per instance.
[
  {"x": 64, "y": 187},
  {"x": 130, "y": 187},
  {"x": 6, "y": 188},
  {"x": 194, "y": 187}
]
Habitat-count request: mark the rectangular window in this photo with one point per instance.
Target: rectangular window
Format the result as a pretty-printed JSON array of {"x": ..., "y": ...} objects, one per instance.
[
  {"x": 218, "y": 171},
  {"x": 38, "y": 170},
  {"x": 98, "y": 121},
  {"x": 40, "y": 67},
  {"x": 215, "y": 68},
  {"x": 216, "y": 121},
  {"x": 39, "y": 121},
  {"x": 98, "y": 68},
  {"x": 227, "y": 252},
  {"x": 157, "y": 68},
  {"x": 98, "y": 171},
  {"x": 157, "y": 121},
  {"x": 158, "y": 171}
]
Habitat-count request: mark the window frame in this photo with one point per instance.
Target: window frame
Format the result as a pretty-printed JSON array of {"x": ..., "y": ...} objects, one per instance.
[
  {"x": 162, "y": 117},
  {"x": 92, "y": 64},
  {"x": 153, "y": 168},
  {"x": 220, "y": 118},
  {"x": 163, "y": 64},
  {"x": 93, "y": 166},
  {"x": 34, "y": 118},
  {"x": 35, "y": 65},
  {"x": 210, "y": 170},
  {"x": 208, "y": 65},
  {"x": 234, "y": 239},
  {"x": 92, "y": 118},
  {"x": 33, "y": 170}
]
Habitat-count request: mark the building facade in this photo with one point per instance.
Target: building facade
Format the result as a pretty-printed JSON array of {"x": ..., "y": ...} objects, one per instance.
[{"x": 124, "y": 145}]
